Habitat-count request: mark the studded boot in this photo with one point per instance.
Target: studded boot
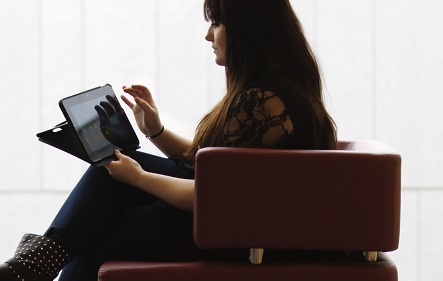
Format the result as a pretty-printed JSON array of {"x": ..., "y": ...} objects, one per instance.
[{"x": 37, "y": 258}]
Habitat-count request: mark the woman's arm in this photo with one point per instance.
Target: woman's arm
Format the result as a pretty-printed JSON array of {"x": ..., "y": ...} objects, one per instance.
[
  {"x": 175, "y": 191},
  {"x": 258, "y": 118},
  {"x": 171, "y": 144}
]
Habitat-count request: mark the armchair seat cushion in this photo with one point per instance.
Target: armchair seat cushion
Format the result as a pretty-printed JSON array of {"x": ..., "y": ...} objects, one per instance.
[{"x": 305, "y": 269}]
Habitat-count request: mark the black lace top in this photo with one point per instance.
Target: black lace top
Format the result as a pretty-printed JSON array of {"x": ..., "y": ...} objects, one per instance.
[{"x": 258, "y": 118}]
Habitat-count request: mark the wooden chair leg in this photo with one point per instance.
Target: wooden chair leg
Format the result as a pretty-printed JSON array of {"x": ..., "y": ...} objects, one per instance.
[
  {"x": 256, "y": 255},
  {"x": 370, "y": 256}
]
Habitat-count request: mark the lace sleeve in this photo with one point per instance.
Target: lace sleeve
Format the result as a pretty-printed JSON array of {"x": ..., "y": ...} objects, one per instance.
[{"x": 257, "y": 119}]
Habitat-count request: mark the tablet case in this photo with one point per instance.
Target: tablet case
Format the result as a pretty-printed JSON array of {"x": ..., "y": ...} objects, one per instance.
[{"x": 64, "y": 137}]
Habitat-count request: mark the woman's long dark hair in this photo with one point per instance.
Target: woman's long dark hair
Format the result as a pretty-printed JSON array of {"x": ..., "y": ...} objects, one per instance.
[{"x": 265, "y": 42}]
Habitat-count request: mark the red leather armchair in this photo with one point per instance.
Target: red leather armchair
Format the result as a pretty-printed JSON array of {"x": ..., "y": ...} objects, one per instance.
[{"x": 331, "y": 215}]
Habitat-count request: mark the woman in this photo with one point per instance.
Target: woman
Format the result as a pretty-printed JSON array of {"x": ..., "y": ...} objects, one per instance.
[{"x": 139, "y": 207}]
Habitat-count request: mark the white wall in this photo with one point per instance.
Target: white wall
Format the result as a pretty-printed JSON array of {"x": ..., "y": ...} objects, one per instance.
[{"x": 382, "y": 61}]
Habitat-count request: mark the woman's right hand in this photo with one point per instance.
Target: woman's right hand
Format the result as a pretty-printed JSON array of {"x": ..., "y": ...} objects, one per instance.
[{"x": 144, "y": 109}]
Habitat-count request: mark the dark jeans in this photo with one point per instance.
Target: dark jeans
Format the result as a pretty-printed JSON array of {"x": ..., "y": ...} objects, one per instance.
[{"x": 104, "y": 219}]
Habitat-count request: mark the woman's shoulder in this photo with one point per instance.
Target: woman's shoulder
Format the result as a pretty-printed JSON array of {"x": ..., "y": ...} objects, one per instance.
[
  {"x": 259, "y": 98},
  {"x": 258, "y": 118}
]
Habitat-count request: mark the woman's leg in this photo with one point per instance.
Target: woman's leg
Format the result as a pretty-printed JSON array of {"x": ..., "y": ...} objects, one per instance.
[
  {"x": 98, "y": 201},
  {"x": 93, "y": 206},
  {"x": 154, "y": 232}
]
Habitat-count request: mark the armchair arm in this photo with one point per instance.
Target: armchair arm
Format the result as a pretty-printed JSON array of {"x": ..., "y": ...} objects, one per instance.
[{"x": 346, "y": 199}]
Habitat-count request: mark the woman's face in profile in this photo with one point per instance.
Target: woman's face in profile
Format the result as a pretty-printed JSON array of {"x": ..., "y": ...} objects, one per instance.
[{"x": 217, "y": 35}]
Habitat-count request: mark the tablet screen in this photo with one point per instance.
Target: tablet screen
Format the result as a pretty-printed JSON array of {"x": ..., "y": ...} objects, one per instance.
[{"x": 100, "y": 122}]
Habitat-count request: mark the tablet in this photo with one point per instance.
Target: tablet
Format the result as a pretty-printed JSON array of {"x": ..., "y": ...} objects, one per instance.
[{"x": 99, "y": 122}]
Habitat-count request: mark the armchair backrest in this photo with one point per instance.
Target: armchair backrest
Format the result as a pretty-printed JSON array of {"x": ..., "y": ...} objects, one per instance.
[{"x": 344, "y": 199}]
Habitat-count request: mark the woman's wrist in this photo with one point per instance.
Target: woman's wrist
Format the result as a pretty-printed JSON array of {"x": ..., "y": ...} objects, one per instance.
[{"x": 158, "y": 134}]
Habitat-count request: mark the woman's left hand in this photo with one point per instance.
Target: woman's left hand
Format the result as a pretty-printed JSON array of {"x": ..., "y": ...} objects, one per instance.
[{"x": 125, "y": 169}]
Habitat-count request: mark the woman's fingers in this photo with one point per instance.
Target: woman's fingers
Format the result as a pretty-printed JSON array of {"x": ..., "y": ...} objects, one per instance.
[
  {"x": 133, "y": 92},
  {"x": 118, "y": 154},
  {"x": 128, "y": 102},
  {"x": 146, "y": 107},
  {"x": 140, "y": 88},
  {"x": 139, "y": 91}
]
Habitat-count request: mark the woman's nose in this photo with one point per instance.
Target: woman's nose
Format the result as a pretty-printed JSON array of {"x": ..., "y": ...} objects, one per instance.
[{"x": 210, "y": 35}]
